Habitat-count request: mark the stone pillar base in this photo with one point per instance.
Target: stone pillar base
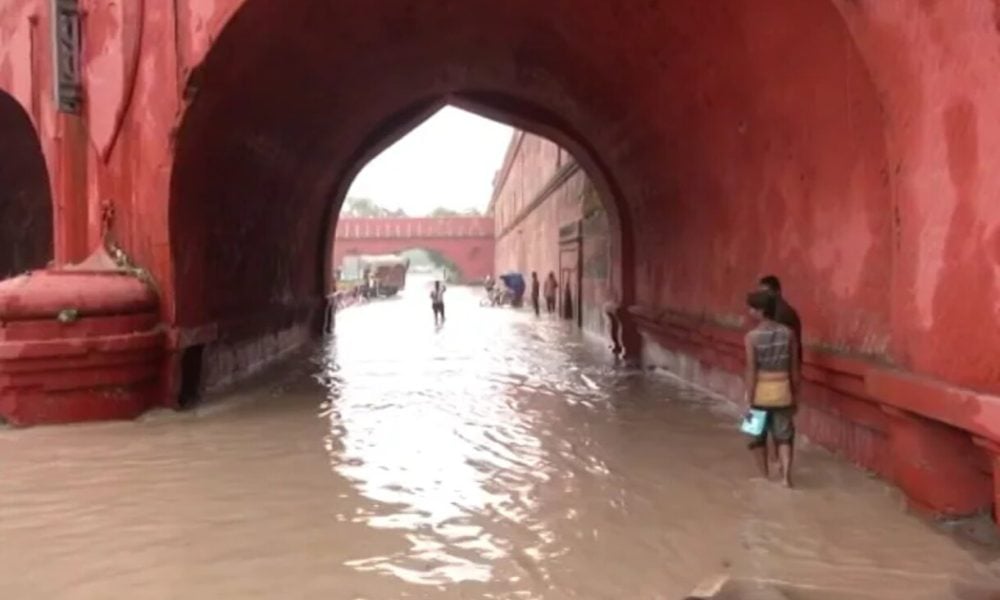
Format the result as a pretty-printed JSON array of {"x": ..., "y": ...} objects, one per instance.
[{"x": 993, "y": 448}]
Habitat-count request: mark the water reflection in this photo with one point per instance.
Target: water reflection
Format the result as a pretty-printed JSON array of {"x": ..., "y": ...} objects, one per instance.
[
  {"x": 500, "y": 456},
  {"x": 434, "y": 431}
]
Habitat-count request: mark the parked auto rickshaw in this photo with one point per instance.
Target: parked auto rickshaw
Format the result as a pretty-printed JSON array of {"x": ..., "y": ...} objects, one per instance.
[{"x": 515, "y": 283}]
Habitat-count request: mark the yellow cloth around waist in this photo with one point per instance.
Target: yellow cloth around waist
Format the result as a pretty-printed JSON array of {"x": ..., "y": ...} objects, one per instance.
[{"x": 773, "y": 391}]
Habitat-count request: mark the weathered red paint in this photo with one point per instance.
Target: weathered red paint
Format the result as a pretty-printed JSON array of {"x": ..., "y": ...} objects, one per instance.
[
  {"x": 844, "y": 144},
  {"x": 466, "y": 241}
]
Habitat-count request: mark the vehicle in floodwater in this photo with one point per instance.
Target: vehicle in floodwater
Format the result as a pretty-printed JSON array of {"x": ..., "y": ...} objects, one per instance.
[
  {"x": 514, "y": 282},
  {"x": 378, "y": 276}
]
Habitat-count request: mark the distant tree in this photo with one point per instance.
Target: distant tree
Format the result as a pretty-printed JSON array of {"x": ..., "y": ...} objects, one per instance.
[
  {"x": 359, "y": 207},
  {"x": 442, "y": 211},
  {"x": 366, "y": 207}
]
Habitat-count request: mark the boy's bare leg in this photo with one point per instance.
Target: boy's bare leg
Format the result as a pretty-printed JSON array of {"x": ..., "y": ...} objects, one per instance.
[
  {"x": 786, "y": 453},
  {"x": 760, "y": 458}
]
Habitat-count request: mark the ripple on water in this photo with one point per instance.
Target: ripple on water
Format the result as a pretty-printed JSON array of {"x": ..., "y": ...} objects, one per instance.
[{"x": 497, "y": 457}]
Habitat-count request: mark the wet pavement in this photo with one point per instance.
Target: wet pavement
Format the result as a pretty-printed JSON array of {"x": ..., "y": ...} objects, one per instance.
[{"x": 500, "y": 456}]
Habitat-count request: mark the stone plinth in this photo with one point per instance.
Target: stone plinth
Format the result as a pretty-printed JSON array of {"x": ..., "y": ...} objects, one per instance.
[{"x": 78, "y": 345}]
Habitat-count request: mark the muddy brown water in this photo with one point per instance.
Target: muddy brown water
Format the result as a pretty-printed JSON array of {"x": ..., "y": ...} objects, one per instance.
[{"x": 501, "y": 456}]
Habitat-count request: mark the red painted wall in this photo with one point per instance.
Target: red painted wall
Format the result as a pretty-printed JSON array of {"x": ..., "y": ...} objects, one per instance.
[
  {"x": 527, "y": 235},
  {"x": 878, "y": 115},
  {"x": 539, "y": 190},
  {"x": 845, "y": 145},
  {"x": 466, "y": 241}
]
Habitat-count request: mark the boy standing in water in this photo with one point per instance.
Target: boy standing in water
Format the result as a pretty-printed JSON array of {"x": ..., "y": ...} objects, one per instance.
[
  {"x": 785, "y": 314},
  {"x": 772, "y": 380},
  {"x": 534, "y": 294},
  {"x": 437, "y": 302}
]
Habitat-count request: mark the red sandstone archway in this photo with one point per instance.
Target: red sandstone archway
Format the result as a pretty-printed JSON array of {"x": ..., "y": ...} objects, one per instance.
[
  {"x": 25, "y": 195},
  {"x": 722, "y": 147}
]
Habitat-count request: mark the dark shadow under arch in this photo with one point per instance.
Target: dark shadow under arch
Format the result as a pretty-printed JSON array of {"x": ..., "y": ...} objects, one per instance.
[{"x": 26, "y": 240}]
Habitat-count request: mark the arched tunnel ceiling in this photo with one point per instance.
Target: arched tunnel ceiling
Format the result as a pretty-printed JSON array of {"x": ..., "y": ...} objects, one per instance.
[{"x": 763, "y": 109}]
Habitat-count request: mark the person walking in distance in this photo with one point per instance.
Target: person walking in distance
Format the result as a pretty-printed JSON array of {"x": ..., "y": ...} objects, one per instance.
[
  {"x": 550, "y": 292},
  {"x": 773, "y": 376},
  {"x": 437, "y": 302},
  {"x": 534, "y": 294},
  {"x": 611, "y": 314}
]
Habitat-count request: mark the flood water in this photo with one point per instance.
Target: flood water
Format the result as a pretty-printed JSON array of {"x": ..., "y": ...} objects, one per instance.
[{"x": 501, "y": 456}]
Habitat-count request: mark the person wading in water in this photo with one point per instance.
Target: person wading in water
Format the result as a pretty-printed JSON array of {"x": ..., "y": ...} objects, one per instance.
[
  {"x": 550, "y": 292},
  {"x": 611, "y": 309},
  {"x": 785, "y": 314},
  {"x": 534, "y": 294},
  {"x": 437, "y": 302},
  {"x": 773, "y": 375}
]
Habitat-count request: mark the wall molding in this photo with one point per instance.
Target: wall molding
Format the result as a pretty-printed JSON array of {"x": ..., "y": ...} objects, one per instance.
[
  {"x": 513, "y": 149},
  {"x": 863, "y": 378},
  {"x": 937, "y": 442}
]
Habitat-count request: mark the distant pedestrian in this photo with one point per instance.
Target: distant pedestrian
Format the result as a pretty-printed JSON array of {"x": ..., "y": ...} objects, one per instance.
[
  {"x": 437, "y": 302},
  {"x": 611, "y": 309},
  {"x": 772, "y": 379},
  {"x": 534, "y": 294},
  {"x": 331, "y": 312},
  {"x": 550, "y": 292}
]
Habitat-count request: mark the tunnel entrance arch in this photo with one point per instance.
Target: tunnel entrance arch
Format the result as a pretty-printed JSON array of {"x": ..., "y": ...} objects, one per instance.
[
  {"x": 286, "y": 167},
  {"x": 26, "y": 236},
  {"x": 293, "y": 98},
  {"x": 200, "y": 313},
  {"x": 522, "y": 115}
]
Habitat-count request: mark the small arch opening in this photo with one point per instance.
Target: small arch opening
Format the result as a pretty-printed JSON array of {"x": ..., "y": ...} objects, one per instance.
[{"x": 26, "y": 239}]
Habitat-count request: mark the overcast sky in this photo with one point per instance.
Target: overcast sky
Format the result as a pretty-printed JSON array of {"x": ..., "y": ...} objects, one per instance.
[{"x": 447, "y": 161}]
